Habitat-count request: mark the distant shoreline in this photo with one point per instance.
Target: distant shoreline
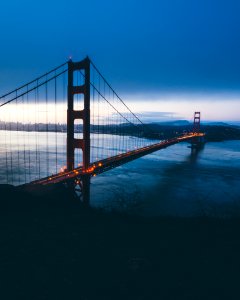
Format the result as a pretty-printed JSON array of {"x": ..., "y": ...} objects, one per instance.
[{"x": 214, "y": 133}]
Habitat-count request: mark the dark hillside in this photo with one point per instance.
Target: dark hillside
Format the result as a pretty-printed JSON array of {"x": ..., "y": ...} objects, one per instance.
[{"x": 52, "y": 248}]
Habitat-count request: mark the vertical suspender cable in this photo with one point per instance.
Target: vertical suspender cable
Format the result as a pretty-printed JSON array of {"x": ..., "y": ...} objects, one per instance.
[
  {"x": 28, "y": 133},
  {"x": 47, "y": 127},
  {"x": 55, "y": 106},
  {"x": 36, "y": 135},
  {"x": 24, "y": 144},
  {"x": 17, "y": 138},
  {"x": 6, "y": 148}
]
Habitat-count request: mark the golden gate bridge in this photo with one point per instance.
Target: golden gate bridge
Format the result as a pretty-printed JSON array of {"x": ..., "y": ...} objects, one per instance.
[{"x": 69, "y": 125}]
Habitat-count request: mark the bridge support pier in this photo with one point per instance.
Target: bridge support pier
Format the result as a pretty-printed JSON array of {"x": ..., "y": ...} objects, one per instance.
[
  {"x": 197, "y": 143},
  {"x": 86, "y": 190},
  {"x": 84, "y": 115}
]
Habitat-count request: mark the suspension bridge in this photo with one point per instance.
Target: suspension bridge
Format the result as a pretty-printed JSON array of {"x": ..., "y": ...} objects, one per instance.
[{"x": 69, "y": 125}]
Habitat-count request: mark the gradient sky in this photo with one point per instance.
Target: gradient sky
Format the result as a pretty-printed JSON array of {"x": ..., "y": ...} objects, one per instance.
[{"x": 177, "y": 55}]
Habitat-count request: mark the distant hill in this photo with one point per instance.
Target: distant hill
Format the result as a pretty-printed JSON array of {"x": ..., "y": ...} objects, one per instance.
[
  {"x": 172, "y": 123},
  {"x": 215, "y": 131},
  {"x": 216, "y": 123}
]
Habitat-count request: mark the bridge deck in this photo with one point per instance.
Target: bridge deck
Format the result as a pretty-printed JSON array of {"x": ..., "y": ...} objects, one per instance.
[{"x": 114, "y": 161}]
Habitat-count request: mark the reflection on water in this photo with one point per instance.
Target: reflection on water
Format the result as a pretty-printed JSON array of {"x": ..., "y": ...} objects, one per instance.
[
  {"x": 175, "y": 181},
  {"x": 172, "y": 181},
  {"x": 27, "y": 156}
]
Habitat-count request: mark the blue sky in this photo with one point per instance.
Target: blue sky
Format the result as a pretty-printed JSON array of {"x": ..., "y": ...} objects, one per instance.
[{"x": 149, "y": 50}]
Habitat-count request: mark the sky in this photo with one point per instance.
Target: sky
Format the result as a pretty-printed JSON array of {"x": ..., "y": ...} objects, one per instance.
[{"x": 166, "y": 56}]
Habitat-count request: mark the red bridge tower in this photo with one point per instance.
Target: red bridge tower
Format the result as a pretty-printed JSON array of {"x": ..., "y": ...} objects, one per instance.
[{"x": 72, "y": 115}]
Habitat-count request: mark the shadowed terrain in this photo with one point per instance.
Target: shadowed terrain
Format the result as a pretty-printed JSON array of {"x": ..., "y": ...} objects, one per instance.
[{"x": 52, "y": 248}]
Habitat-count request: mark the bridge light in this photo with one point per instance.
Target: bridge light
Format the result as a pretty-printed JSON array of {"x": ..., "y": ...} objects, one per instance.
[{"x": 100, "y": 164}]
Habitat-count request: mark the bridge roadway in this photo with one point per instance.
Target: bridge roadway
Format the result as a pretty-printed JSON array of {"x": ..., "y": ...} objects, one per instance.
[{"x": 114, "y": 161}]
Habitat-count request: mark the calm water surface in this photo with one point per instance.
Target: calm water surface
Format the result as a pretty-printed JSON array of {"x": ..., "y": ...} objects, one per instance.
[
  {"x": 172, "y": 181},
  {"x": 175, "y": 181}
]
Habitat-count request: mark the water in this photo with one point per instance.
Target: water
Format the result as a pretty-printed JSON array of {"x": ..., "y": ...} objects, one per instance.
[
  {"x": 172, "y": 181},
  {"x": 175, "y": 182},
  {"x": 28, "y": 156}
]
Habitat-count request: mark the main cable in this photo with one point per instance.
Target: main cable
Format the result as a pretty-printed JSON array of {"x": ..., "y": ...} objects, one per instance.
[
  {"x": 94, "y": 66},
  {"x": 36, "y": 79}
]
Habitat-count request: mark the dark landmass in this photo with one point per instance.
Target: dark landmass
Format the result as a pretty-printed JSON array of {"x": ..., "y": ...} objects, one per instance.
[
  {"x": 52, "y": 248},
  {"x": 173, "y": 123},
  {"x": 215, "y": 132},
  {"x": 219, "y": 133},
  {"x": 215, "y": 123}
]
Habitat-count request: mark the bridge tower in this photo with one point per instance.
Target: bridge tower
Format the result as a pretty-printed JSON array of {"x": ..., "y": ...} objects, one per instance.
[
  {"x": 197, "y": 142},
  {"x": 84, "y": 115},
  {"x": 196, "y": 121}
]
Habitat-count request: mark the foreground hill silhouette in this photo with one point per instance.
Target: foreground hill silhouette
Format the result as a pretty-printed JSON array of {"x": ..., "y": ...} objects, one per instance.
[{"x": 53, "y": 248}]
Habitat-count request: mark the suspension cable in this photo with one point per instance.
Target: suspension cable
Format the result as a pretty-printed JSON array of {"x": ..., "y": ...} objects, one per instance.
[
  {"x": 34, "y": 88},
  {"x": 36, "y": 79},
  {"x": 94, "y": 66}
]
